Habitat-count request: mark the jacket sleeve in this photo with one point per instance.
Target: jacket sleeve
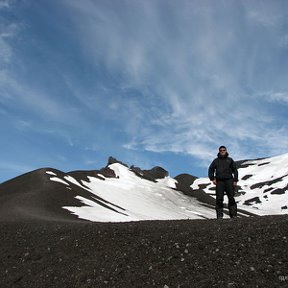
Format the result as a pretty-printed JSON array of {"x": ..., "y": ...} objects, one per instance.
[
  {"x": 234, "y": 171},
  {"x": 211, "y": 171}
]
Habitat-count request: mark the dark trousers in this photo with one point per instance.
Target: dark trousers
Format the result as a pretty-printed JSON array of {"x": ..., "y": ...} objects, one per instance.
[{"x": 223, "y": 186}]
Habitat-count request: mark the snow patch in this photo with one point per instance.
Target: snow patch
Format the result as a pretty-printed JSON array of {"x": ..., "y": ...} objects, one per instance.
[
  {"x": 75, "y": 182},
  {"x": 141, "y": 199},
  {"x": 51, "y": 173},
  {"x": 56, "y": 179},
  {"x": 101, "y": 176},
  {"x": 167, "y": 181}
]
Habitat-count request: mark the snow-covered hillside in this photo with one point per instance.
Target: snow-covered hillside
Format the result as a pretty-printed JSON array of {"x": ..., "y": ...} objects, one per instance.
[
  {"x": 129, "y": 197},
  {"x": 262, "y": 187},
  {"x": 117, "y": 193}
]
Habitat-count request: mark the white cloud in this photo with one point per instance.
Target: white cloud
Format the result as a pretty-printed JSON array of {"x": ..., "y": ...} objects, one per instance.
[
  {"x": 267, "y": 14},
  {"x": 7, "y": 33},
  {"x": 262, "y": 19},
  {"x": 26, "y": 97},
  {"x": 15, "y": 167},
  {"x": 90, "y": 162},
  {"x": 4, "y": 4},
  {"x": 5, "y": 51},
  {"x": 284, "y": 41},
  {"x": 23, "y": 125},
  {"x": 281, "y": 97},
  {"x": 198, "y": 66},
  {"x": 180, "y": 77}
]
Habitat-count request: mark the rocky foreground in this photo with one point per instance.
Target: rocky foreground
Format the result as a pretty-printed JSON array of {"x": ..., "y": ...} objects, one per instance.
[{"x": 244, "y": 252}]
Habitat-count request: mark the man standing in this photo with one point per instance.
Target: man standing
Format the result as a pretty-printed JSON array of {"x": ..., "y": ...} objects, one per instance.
[{"x": 223, "y": 173}]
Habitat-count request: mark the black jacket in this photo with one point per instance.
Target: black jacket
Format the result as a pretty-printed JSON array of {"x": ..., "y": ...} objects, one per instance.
[{"x": 223, "y": 168}]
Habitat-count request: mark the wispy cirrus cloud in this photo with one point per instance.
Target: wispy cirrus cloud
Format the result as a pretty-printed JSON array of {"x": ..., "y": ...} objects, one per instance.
[
  {"x": 8, "y": 31},
  {"x": 15, "y": 167},
  {"x": 283, "y": 42},
  {"x": 197, "y": 69},
  {"x": 158, "y": 76},
  {"x": 278, "y": 97},
  {"x": 5, "y": 4}
]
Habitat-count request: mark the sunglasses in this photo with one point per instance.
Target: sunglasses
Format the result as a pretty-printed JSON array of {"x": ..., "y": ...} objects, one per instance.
[{"x": 222, "y": 150}]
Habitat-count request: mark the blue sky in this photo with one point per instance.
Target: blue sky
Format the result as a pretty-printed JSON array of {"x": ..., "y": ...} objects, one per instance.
[{"x": 154, "y": 82}]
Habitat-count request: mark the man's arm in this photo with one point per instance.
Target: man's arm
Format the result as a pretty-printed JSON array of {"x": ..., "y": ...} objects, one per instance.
[
  {"x": 234, "y": 171},
  {"x": 211, "y": 171}
]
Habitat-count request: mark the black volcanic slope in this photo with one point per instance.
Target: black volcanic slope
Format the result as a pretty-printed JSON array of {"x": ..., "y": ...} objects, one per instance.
[
  {"x": 244, "y": 252},
  {"x": 34, "y": 196}
]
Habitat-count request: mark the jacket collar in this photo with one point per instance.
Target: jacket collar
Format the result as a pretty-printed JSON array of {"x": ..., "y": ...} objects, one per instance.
[{"x": 223, "y": 157}]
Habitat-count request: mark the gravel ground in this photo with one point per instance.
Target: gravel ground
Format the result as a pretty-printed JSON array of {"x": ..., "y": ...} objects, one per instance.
[{"x": 244, "y": 252}]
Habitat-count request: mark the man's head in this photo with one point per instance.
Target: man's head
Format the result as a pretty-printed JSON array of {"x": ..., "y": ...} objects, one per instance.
[{"x": 222, "y": 150}]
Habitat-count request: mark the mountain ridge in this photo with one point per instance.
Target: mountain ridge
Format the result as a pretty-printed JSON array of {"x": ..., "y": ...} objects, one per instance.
[
  {"x": 34, "y": 194},
  {"x": 54, "y": 194}
]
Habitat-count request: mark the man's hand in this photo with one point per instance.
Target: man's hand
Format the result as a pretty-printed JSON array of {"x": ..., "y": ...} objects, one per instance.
[
  {"x": 214, "y": 181},
  {"x": 235, "y": 183}
]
